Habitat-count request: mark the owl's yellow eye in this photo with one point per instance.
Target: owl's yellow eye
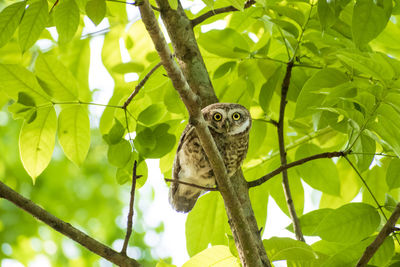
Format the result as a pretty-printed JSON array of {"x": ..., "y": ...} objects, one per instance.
[
  {"x": 236, "y": 116},
  {"x": 217, "y": 116}
]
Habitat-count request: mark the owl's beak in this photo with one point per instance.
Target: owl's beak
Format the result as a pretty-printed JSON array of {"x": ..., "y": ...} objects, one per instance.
[{"x": 227, "y": 126}]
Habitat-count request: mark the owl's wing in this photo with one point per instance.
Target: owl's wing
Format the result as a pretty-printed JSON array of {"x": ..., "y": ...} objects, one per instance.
[
  {"x": 183, "y": 197},
  {"x": 176, "y": 168}
]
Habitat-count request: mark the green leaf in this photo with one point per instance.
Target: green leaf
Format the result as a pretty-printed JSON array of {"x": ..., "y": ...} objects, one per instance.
[
  {"x": 284, "y": 248},
  {"x": 393, "y": 174},
  {"x": 116, "y": 133},
  {"x": 366, "y": 147},
  {"x": 74, "y": 132},
  {"x": 33, "y": 23},
  {"x": 210, "y": 211},
  {"x": 369, "y": 20},
  {"x": 384, "y": 253},
  {"x": 36, "y": 141},
  {"x": 15, "y": 78},
  {"x": 349, "y": 223},
  {"x": 162, "y": 263},
  {"x": 390, "y": 203},
  {"x": 66, "y": 16},
  {"x": 309, "y": 222},
  {"x": 120, "y": 153},
  {"x": 10, "y": 17},
  {"x": 125, "y": 172},
  {"x": 326, "y": 15},
  {"x": 320, "y": 174},
  {"x": 58, "y": 79},
  {"x": 238, "y": 4},
  {"x": 213, "y": 256},
  {"x": 128, "y": 67},
  {"x": 152, "y": 114},
  {"x": 96, "y": 10},
  {"x": 224, "y": 43},
  {"x": 267, "y": 90},
  {"x": 209, "y": 3},
  {"x": 309, "y": 98},
  {"x": 224, "y": 69}
]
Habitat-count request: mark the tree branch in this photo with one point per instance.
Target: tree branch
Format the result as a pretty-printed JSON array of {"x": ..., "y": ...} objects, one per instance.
[
  {"x": 190, "y": 184},
  {"x": 268, "y": 176},
  {"x": 217, "y": 11},
  {"x": 131, "y": 210},
  {"x": 65, "y": 228},
  {"x": 193, "y": 105},
  {"x": 386, "y": 230},
  {"x": 282, "y": 152},
  {"x": 140, "y": 85}
]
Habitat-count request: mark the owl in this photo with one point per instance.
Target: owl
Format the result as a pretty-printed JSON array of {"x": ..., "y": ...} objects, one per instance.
[{"x": 229, "y": 125}]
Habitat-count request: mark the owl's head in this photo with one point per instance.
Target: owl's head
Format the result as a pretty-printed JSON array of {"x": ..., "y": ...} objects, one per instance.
[{"x": 227, "y": 118}]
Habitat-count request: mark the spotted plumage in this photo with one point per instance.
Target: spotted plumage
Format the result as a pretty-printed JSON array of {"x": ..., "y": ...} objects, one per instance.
[{"x": 229, "y": 125}]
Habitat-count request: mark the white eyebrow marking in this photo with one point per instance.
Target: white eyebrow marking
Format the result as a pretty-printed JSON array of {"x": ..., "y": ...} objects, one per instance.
[{"x": 242, "y": 128}]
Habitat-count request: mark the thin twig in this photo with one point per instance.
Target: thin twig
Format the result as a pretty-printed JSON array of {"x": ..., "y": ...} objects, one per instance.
[
  {"x": 217, "y": 11},
  {"x": 140, "y": 85},
  {"x": 131, "y": 210},
  {"x": 282, "y": 151},
  {"x": 65, "y": 228},
  {"x": 386, "y": 230},
  {"x": 268, "y": 176},
  {"x": 54, "y": 5},
  {"x": 190, "y": 184}
]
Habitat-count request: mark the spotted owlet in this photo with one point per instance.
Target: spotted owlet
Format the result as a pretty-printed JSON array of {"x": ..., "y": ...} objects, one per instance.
[{"x": 229, "y": 125}]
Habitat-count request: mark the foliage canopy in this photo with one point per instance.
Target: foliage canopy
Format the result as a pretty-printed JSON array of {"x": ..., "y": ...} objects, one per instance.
[{"x": 344, "y": 95}]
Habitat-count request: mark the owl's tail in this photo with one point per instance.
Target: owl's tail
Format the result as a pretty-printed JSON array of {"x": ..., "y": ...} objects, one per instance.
[{"x": 182, "y": 200}]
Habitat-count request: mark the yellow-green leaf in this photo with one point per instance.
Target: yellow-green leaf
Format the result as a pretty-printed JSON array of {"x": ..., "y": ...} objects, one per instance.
[
  {"x": 74, "y": 132},
  {"x": 66, "y": 17},
  {"x": 96, "y": 10},
  {"x": 36, "y": 141},
  {"x": 216, "y": 256},
  {"x": 33, "y": 23},
  {"x": 58, "y": 79},
  {"x": 15, "y": 78},
  {"x": 10, "y": 18}
]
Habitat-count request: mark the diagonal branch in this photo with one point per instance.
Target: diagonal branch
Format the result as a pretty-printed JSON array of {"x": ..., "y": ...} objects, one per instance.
[
  {"x": 217, "y": 11},
  {"x": 268, "y": 176},
  {"x": 282, "y": 152},
  {"x": 193, "y": 105},
  {"x": 386, "y": 230},
  {"x": 66, "y": 228},
  {"x": 131, "y": 210},
  {"x": 140, "y": 85}
]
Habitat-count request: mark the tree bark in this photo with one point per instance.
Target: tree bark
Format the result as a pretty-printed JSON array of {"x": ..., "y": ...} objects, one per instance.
[{"x": 187, "y": 52}]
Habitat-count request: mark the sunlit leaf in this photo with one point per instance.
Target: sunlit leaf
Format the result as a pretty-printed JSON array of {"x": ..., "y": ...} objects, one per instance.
[
  {"x": 218, "y": 256},
  {"x": 10, "y": 17},
  {"x": 120, "y": 153},
  {"x": 349, "y": 223},
  {"x": 57, "y": 77},
  {"x": 210, "y": 211},
  {"x": 283, "y": 248},
  {"x": 36, "y": 141},
  {"x": 66, "y": 15},
  {"x": 74, "y": 132},
  {"x": 33, "y": 23},
  {"x": 369, "y": 19},
  {"x": 225, "y": 43},
  {"x": 393, "y": 174},
  {"x": 321, "y": 174},
  {"x": 15, "y": 78}
]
